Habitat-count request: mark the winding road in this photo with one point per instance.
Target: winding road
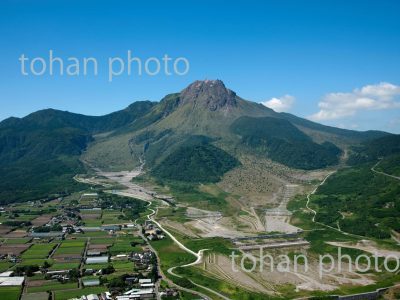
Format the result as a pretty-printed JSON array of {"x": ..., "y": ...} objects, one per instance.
[
  {"x": 383, "y": 173},
  {"x": 137, "y": 192},
  {"x": 315, "y": 213},
  {"x": 198, "y": 255},
  {"x": 323, "y": 182},
  {"x": 312, "y": 193},
  {"x": 142, "y": 194}
]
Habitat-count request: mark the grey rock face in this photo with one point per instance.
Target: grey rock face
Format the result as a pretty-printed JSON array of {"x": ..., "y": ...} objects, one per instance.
[{"x": 211, "y": 94}]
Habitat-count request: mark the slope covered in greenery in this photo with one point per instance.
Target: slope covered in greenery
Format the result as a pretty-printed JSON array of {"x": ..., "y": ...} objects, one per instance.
[
  {"x": 360, "y": 201},
  {"x": 374, "y": 149},
  {"x": 195, "y": 163},
  {"x": 390, "y": 165},
  {"x": 38, "y": 160},
  {"x": 157, "y": 112},
  {"x": 39, "y": 178},
  {"x": 210, "y": 109},
  {"x": 39, "y": 154},
  {"x": 350, "y": 135},
  {"x": 283, "y": 142}
]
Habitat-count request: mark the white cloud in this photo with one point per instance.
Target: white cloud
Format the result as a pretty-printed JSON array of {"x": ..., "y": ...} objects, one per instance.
[
  {"x": 370, "y": 97},
  {"x": 283, "y": 103}
]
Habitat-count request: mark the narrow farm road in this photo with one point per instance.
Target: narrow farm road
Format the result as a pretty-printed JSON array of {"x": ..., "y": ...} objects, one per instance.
[{"x": 138, "y": 192}]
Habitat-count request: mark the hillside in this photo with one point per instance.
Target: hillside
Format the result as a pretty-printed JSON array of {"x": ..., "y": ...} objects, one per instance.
[
  {"x": 283, "y": 142},
  {"x": 196, "y": 162},
  {"x": 338, "y": 135},
  {"x": 390, "y": 165},
  {"x": 208, "y": 108},
  {"x": 362, "y": 201},
  {"x": 39, "y": 154},
  {"x": 373, "y": 149}
]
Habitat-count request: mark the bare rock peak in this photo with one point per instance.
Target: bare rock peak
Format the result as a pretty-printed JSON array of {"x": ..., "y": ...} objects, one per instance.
[{"x": 210, "y": 93}]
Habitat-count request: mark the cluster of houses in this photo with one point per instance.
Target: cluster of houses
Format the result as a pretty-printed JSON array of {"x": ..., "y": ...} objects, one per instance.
[
  {"x": 111, "y": 229},
  {"x": 60, "y": 275},
  {"x": 10, "y": 257},
  {"x": 143, "y": 261},
  {"x": 169, "y": 293},
  {"x": 106, "y": 296},
  {"x": 64, "y": 220},
  {"x": 68, "y": 223},
  {"x": 152, "y": 232},
  {"x": 145, "y": 290}
]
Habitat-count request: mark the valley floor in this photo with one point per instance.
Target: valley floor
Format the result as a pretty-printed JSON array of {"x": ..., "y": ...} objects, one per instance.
[{"x": 260, "y": 220}]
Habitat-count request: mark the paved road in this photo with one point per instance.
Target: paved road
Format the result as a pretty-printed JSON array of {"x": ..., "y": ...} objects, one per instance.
[
  {"x": 180, "y": 245},
  {"x": 315, "y": 213},
  {"x": 312, "y": 193},
  {"x": 198, "y": 255},
  {"x": 383, "y": 173},
  {"x": 165, "y": 278},
  {"x": 54, "y": 250},
  {"x": 81, "y": 266}
]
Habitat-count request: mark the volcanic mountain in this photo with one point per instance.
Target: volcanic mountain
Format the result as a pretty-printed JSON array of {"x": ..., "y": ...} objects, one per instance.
[
  {"x": 204, "y": 129},
  {"x": 208, "y": 112}
]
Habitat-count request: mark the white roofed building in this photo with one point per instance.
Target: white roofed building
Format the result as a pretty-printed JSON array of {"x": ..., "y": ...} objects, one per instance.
[{"x": 97, "y": 260}]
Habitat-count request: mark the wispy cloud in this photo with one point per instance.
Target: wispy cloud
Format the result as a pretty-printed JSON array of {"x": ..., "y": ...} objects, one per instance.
[
  {"x": 281, "y": 104},
  {"x": 370, "y": 97}
]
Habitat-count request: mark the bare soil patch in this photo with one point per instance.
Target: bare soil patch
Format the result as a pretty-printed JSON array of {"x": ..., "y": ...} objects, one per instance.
[
  {"x": 42, "y": 220},
  {"x": 36, "y": 283},
  {"x": 90, "y": 216},
  {"x": 367, "y": 246},
  {"x": 179, "y": 227},
  {"x": 16, "y": 234},
  {"x": 4, "y": 229},
  {"x": 15, "y": 249},
  {"x": 99, "y": 246},
  {"x": 66, "y": 257}
]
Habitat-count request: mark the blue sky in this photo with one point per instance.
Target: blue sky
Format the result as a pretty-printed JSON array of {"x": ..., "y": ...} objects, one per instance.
[{"x": 336, "y": 62}]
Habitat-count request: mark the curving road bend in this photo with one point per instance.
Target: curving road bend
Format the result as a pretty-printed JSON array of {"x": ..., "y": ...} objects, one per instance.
[
  {"x": 198, "y": 255},
  {"x": 383, "y": 173},
  {"x": 315, "y": 213},
  {"x": 312, "y": 193},
  {"x": 137, "y": 192}
]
